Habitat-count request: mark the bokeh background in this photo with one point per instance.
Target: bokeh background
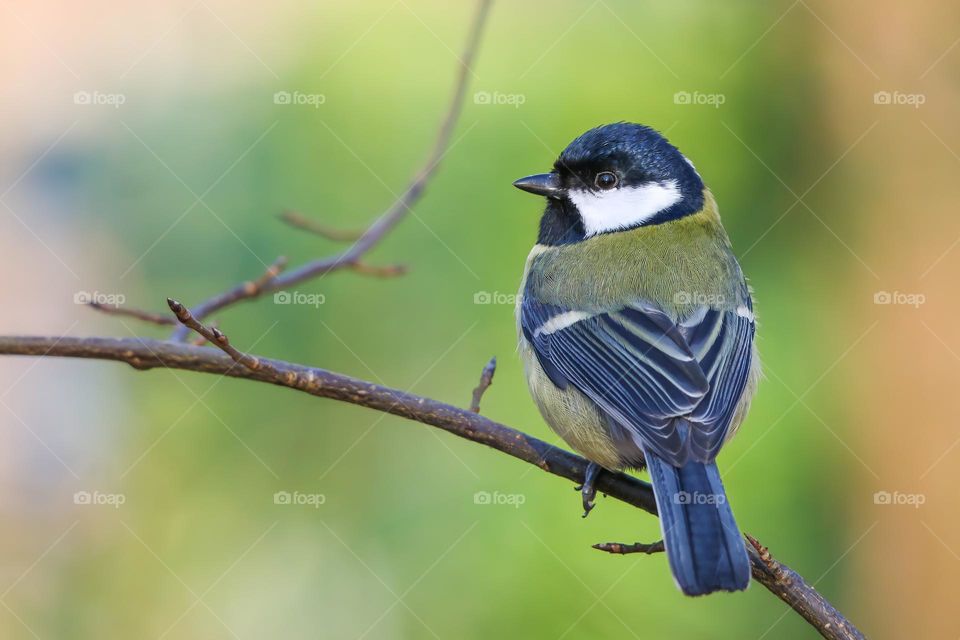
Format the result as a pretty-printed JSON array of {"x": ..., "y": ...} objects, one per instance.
[{"x": 144, "y": 155}]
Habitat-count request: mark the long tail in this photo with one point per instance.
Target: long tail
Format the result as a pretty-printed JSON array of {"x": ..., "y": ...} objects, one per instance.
[{"x": 704, "y": 545}]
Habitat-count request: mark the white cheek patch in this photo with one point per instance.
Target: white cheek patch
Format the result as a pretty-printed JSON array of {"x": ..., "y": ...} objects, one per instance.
[{"x": 624, "y": 207}]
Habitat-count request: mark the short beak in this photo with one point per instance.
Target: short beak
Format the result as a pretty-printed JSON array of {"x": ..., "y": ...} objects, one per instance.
[{"x": 543, "y": 184}]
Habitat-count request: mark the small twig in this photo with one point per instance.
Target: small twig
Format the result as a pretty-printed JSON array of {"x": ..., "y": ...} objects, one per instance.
[
  {"x": 145, "y": 316},
  {"x": 299, "y": 221},
  {"x": 214, "y": 336},
  {"x": 486, "y": 379},
  {"x": 637, "y": 547},
  {"x": 386, "y": 271},
  {"x": 199, "y": 340},
  {"x": 247, "y": 290},
  {"x": 776, "y": 569},
  {"x": 255, "y": 287}
]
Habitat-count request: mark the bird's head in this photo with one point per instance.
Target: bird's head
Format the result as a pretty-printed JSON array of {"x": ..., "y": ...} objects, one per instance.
[{"x": 612, "y": 178}]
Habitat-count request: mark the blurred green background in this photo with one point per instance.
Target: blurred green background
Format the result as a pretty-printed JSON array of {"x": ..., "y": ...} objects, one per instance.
[{"x": 175, "y": 192}]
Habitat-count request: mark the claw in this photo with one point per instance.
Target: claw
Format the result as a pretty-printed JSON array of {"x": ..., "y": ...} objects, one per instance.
[{"x": 588, "y": 490}]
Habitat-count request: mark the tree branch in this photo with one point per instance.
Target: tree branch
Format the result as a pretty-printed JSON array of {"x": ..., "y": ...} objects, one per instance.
[
  {"x": 144, "y": 354},
  {"x": 352, "y": 256}
]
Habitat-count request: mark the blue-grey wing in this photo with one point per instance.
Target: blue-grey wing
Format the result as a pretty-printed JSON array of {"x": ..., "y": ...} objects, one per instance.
[
  {"x": 634, "y": 363},
  {"x": 645, "y": 371},
  {"x": 722, "y": 342}
]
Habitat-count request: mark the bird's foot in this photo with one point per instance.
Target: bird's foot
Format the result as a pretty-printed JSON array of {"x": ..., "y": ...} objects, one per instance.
[{"x": 588, "y": 490}]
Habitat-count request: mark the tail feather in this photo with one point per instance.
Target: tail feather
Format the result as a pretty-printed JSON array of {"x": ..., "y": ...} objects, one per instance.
[{"x": 704, "y": 546}]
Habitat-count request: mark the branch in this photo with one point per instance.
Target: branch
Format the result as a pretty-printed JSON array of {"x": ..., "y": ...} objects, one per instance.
[
  {"x": 486, "y": 379},
  {"x": 144, "y": 354},
  {"x": 247, "y": 290},
  {"x": 138, "y": 314},
  {"x": 388, "y": 271},
  {"x": 351, "y": 257},
  {"x": 299, "y": 221},
  {"x": 648, "y": 548},
  {"x": 212, "y": 335}
]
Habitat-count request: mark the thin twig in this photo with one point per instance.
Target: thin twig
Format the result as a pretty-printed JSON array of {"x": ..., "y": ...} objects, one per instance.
[
  {"x": 389, "y": 218},
  {"x": 255, "y": 287},
  {"x": 199, "y": 340},
  {"x": 143, "y": 316},
  {"x": 386, "y": 271},
  {"x": 775, "y": 569},
  {"x": 299, "y": 221},
  {"x": 246, "y": 291},
  {"x": 637, "y": 547},
  {"x": 486, "y": 379},
  {"x": 142, "y": 354},
  {"x": 212, "y": 335}
]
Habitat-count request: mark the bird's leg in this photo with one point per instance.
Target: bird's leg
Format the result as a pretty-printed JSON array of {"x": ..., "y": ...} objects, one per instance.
[{"x": 588, "y": 490}]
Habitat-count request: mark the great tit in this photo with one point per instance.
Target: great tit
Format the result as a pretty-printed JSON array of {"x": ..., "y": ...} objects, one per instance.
[{"x": 636, "y": 330}]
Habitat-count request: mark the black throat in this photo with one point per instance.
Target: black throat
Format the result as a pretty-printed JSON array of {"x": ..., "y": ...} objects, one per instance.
[{"x": 560, "y": 224}]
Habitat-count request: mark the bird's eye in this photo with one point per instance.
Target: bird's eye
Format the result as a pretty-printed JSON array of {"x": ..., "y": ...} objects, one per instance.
[{"x": 606, "y": 180}]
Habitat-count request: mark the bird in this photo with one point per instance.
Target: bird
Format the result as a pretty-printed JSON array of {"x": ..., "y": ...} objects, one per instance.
[{"x": 636, "y": 330}]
